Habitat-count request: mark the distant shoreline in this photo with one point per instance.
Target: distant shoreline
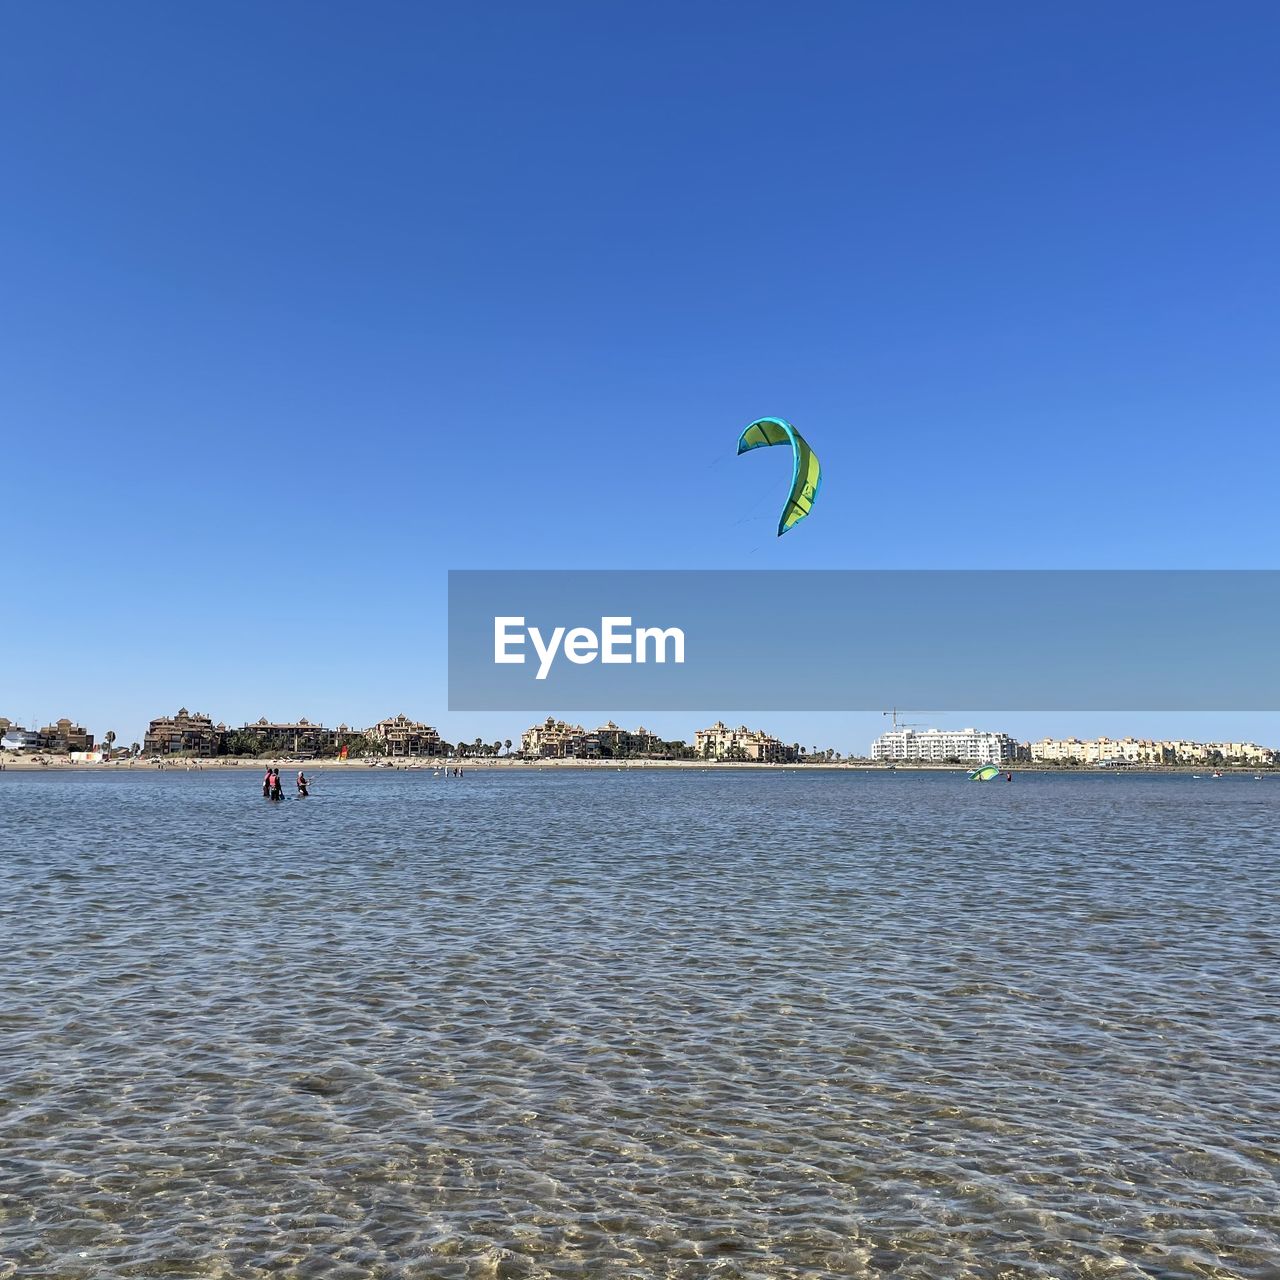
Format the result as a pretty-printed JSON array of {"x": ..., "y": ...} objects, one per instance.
[{"x": 185, "y": 764}]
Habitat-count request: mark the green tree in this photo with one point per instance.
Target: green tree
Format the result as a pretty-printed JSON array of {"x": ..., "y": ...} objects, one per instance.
[
  {"x": 359, "y": 745},
  {"x": 241, "y": 742}
]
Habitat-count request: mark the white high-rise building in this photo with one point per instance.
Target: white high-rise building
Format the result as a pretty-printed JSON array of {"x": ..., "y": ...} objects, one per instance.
[{"x": 968, "y": 746}]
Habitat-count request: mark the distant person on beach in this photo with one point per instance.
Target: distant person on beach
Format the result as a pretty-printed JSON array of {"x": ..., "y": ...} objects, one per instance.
[{"x": 302, "y": 783}]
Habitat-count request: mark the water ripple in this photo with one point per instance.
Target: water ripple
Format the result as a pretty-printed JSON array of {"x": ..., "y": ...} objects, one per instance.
[{"x": 675, "y": 1025}]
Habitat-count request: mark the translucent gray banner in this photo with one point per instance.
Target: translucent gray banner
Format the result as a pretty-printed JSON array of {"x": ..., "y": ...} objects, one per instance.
[{"x": 861, "y": 640}]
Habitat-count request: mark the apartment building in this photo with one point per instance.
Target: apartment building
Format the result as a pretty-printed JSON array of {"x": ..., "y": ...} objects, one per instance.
[
  {"x": 405, "y": 737},
  {"x": 610, "y": 740},
  {"x": 63, "y": 736},
  {"x": 942, "y": 746},
  {"x": 298, "y": 737},
  {"x": 13, "y": 737},
  {"x": 719, "y": 742},
  {"x": 1147, "y": 751},
  {"x": 550, "y": 740},
  {"x": 189, "y": 733}
]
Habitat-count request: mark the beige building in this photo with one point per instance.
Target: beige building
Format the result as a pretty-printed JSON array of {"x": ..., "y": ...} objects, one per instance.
[
  {"x": 299, "y": 737},
  {"x": 719, "y": 742},
  {"x": 189, "y": 733},
  {"x": 1075, "y": 751},
  {"x": 405, "y": 737},
  {"x": 65, "y": 736},
  {"x": 1244, "y": 752},
  {"x": 609, "y": 740},
  {"x": 1095, "y": 751},
  {"x": 1146, "y": 751},
  {"x": 552, "y": 739}
]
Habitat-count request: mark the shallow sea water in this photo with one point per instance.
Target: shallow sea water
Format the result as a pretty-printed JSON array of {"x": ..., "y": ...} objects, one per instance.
[{"x": 633, "y": 1024}]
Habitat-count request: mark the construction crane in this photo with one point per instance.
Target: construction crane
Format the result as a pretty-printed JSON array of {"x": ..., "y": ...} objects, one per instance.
[{"x": 899, "y": 724}]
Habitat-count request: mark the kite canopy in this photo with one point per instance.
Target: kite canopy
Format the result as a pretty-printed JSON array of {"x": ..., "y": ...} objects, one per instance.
[
  {"x": 985, "y": 774},
  {"x": 806, "y": 475}
]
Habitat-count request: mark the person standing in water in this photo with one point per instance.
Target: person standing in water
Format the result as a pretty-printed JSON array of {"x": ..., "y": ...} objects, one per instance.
[
  {"x": 302, "y": 783},
  {"x": 276, "y": 793},
  {"x": 266, "y": 782}
]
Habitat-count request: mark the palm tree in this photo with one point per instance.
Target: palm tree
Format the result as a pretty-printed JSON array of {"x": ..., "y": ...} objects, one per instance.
[
  {"x": 135, "y": 748},
  {"x": 110, "y": 738},
  {"x": 506, "y": 746}
]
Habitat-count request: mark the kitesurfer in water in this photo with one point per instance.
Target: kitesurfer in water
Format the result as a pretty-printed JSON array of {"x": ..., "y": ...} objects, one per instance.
[
  {"x": 276, "y": 793},
  {"x": 266, "y": 782},
  {"x": 302, "y": 783}
]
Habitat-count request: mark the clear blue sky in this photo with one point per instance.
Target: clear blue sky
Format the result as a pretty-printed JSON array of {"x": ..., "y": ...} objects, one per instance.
[{"x": 306, "y": 303}]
